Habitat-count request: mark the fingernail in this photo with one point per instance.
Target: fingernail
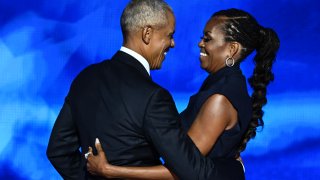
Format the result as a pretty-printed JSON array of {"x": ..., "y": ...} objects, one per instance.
[{"x": 97, "y": 141}]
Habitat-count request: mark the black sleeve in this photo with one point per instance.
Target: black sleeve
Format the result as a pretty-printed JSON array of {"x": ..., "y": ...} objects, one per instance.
[
  {"x": 163, "y": 128},
  {"x": 63, "y": 148}
]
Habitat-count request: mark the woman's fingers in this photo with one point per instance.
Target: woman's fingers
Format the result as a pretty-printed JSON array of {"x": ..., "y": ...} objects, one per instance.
[
  {"x": 95, "y": 162},
  {"x": 98, "y": 146},
  {"x": 100, "y": 150},
  {"x": 89, "y": 154},
  {"x": 86, "y": 155},
  {"x": 91, "y": 161}
]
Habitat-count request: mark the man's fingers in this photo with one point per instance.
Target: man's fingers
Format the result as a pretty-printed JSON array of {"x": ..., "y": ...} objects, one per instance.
[
  {"x": 98, "y": 146},
  {"x": 90, "y": 149}
]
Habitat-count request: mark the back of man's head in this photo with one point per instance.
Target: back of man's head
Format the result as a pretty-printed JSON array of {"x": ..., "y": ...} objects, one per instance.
[{"x": 141, "y": 13}]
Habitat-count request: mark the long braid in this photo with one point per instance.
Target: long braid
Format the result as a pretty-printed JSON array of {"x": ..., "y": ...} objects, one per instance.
[
  {"x": 262, "y": 76},
  {"x": 241, "y": 27}
]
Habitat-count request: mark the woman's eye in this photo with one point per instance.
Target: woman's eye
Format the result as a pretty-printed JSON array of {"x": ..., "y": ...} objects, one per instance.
[{"x": 205, "y": 39}]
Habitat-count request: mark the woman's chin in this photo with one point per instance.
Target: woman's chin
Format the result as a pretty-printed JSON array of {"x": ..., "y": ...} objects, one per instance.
[{"x": 202, "y": 66}]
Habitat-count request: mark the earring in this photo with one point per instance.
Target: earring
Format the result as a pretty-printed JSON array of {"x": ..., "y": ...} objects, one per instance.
[{"x": 229, "y": 61}]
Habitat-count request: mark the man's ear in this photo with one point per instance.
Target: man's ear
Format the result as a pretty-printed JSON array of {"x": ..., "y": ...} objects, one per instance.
[
  {"x": 234, "y": 49},
  {"x": 146, "y": 34}
]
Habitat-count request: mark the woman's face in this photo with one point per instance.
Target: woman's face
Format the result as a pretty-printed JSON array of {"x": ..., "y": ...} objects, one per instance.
[{"x": 213, "y": 49}]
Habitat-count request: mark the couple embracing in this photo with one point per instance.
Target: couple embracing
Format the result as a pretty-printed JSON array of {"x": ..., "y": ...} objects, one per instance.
[{"x": 117, "y": 123}]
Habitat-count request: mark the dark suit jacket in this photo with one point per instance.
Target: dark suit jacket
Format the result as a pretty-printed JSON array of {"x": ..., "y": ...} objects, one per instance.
[{"x": 135, "y": 119}]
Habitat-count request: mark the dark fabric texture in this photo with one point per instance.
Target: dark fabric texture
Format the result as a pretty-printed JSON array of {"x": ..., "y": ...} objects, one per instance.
[
  {"x": 229, "y": 82},
  {"x": 135, "y": 119}
]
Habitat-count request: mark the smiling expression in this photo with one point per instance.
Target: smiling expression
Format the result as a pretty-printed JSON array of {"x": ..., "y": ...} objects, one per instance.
[
  {"x": 161, "y": 41},
  {"x": 213, "y": 48}
]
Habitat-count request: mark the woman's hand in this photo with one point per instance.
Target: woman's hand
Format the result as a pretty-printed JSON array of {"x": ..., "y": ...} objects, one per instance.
[{"x": 98, "y": 165}]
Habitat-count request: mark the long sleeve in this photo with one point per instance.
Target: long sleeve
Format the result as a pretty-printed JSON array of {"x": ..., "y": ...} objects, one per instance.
[
  {"x": 163, "y": 129},
  {"x": 63, "y": 148}
]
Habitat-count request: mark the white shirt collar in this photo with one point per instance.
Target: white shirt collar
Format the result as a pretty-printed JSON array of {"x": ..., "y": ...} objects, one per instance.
[{"x": 137, "y": 56}]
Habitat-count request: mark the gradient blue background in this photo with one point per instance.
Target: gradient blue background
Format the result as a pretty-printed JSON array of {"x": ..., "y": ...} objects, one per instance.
[{"x": 44, "y": 45}]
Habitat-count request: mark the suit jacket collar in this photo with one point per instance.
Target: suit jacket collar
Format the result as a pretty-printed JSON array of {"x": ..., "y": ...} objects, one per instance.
[{"x": 125, "y": 58}]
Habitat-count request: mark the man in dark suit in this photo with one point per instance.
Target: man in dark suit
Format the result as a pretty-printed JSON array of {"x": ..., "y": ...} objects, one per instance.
[{"x": 135, "y": 119}]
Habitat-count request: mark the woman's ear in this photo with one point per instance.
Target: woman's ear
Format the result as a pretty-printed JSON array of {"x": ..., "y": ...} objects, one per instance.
[
  {"x": 234, "y": 49},
  {"x": 146, "y": 34}
]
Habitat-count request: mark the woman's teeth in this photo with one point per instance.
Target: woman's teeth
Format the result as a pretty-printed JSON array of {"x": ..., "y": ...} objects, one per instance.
[{"x": 203, "y": 54}]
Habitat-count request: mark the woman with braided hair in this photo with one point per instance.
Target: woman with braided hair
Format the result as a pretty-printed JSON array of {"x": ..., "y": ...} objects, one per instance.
[{"x": 222, "y": 117}]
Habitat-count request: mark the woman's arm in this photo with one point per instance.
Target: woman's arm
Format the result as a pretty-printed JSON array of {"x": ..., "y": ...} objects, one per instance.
[
  {"x": 98, "y": 165},
  {"x": 216, "y": 115}
]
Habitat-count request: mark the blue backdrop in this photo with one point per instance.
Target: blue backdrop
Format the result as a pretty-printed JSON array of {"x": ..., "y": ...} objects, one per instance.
[{"x": 44, "y": 44}]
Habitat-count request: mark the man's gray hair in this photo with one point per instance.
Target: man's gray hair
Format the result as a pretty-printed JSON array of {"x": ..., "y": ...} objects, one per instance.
[{"x": 141, "y": 13}]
